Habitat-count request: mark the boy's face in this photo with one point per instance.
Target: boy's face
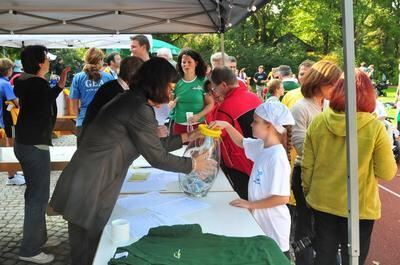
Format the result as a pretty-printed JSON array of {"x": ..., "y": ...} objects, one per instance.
[{"x": 261, "y": 128}]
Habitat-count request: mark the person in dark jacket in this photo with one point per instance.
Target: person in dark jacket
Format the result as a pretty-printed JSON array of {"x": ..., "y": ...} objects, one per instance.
[
  {"x": 109, "y": 90},
  {"x": 38, "y": 112},
  {"x": 88, "y": 188}
]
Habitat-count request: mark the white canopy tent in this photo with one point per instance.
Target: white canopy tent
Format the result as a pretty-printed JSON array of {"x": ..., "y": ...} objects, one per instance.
[
  {"x": 56, "y": 41},
  {"x": 177, "y": 16},
  {"x": 122, "y": 16}
]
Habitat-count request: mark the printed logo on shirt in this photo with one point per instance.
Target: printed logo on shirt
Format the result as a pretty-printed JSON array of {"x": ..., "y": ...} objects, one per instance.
[
  {"x": 257, "y": 179},
  {"x": 177, "y": 254},
  {"x": 197, "y": 88},
  {"x": 93, "y": 83}
]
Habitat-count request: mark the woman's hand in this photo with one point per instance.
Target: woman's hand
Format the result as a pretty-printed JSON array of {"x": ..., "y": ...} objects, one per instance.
[
  {"x": 194, "y": 135},
  {"x": 172, "y": 103},
  {"x": 63, "y": 77},
  {"x": 203, "y": 165},
  {"x": 162, "y": 131},
  {"x": 241, "y": 203},
  {"x": 219, "y": 125}
]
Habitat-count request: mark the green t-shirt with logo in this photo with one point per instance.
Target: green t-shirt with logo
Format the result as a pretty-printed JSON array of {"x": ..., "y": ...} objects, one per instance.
[
  {"x": 190, "y": 96},
  {"x": 187, "y": 244}
]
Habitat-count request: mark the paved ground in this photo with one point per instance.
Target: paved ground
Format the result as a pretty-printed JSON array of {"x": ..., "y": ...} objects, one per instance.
[
  {"x": 383, "y": 251},
  {"x": 12, "y": 216}
]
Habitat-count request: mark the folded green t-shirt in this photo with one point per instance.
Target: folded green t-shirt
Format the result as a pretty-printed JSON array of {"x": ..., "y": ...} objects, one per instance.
[{"x": 186, "y": 244}]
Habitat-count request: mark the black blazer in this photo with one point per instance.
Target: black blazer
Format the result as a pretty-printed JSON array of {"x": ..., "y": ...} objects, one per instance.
[{"x": 123, "y": 130}]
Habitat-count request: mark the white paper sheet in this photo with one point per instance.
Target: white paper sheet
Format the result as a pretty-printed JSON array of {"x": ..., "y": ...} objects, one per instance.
[
  {"x": 144, "y": 201},
  {"x": 179, "y": 206},
  {"x": 140, "y": 224},
  {"x": 157, "y": 181}
]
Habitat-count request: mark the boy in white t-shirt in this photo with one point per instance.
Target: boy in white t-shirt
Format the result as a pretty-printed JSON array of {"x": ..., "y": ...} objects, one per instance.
[{"x": 269, "y": 184}]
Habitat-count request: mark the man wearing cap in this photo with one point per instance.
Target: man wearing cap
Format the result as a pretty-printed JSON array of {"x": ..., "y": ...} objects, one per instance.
[
  {"x": 237, "y": 108},
  {"x": 260, "y": 78}
]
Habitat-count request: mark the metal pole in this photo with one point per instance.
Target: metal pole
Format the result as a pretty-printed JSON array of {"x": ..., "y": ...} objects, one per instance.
[
  {"x": 351, "y": 132},
  {"x": 222, "y": 47}
]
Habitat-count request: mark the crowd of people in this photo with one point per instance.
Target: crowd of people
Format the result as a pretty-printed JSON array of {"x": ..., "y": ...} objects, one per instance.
[{"x": 288, "y": 136}]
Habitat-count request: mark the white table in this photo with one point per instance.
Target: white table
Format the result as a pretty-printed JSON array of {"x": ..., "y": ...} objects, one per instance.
[
  {"x": 221, "y": 184},
  {"x": 220, "y": 218}
]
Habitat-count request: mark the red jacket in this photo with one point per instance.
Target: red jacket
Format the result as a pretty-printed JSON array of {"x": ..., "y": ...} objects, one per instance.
[{"x": 237, "y": 109}]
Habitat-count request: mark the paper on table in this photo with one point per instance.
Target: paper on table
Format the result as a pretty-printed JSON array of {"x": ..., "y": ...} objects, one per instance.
[
  {"x": 157, "y": 180},
  {"x": 138, "y": 177},
  {"x": 140, "y": 224},
  {"x": 179, "y": 206},
  {"x": 143, "y": 201}
]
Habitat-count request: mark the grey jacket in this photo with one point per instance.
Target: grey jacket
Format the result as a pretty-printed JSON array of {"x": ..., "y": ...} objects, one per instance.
[{"x": 125, "y": 128}]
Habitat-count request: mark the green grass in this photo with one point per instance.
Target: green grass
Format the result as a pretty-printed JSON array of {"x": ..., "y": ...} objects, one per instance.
[{"x": 390, "y": 97}]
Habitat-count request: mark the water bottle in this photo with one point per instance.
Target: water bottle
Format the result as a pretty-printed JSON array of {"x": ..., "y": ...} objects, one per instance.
[{"x": 53, "y": 80}]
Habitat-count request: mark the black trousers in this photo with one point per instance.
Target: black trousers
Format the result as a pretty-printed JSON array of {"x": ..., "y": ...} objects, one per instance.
[
  {"x": 239, "y": 181},
  {"x": 35, "y": 164},
  {"x": 303, "y": 219},
  {"x": 83, "y": 244},
  {"x": 331, "y": 230}
]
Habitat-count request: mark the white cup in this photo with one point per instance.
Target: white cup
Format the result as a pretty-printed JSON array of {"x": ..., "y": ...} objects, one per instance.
[{"x": 120, "y": 231}]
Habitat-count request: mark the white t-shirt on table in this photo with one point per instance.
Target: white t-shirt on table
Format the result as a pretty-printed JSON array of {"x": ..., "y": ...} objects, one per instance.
[{"x": 270, "y": 176}]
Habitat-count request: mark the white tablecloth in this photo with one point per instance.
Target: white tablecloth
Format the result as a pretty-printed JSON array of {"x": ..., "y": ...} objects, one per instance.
[{"x": 220, "y": 218}]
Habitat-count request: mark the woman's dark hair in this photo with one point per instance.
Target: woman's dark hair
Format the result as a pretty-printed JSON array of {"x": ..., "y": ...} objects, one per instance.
[
  {"x": 129, "y": 67},
  {"x": 201, "y": 67},
  {"x": 31, "y": 57},
  {"x": 154, "y": 88}
]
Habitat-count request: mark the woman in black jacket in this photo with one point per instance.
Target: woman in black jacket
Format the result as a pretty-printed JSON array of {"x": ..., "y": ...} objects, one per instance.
[
  {"x": 124, "y": 129},
  {"x": 38, "y": 112}
]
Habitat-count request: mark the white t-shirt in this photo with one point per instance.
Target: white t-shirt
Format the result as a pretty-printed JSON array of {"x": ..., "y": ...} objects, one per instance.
[
  {"x": 270, "y": 176},
  {"x": 380, "y": 110}
]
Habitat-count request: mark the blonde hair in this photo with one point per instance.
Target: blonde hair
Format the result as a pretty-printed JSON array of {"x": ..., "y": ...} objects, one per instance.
[
  {"x": 322, "y": 73},
  {"x": 93, "y": 63},
  {"x": 273, "y": 85},
  {"x": 5, "y": 65}
]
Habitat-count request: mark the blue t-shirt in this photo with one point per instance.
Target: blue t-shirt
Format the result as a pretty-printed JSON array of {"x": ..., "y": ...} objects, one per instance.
[
  {"x": 84, "y": 89},
  {"x": 6, "y": 93}
]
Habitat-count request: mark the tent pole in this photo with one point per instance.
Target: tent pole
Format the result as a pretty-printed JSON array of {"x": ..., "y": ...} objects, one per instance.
[
  {"x": 222, "y": 48},
  {"x": 351, "y": 132}
]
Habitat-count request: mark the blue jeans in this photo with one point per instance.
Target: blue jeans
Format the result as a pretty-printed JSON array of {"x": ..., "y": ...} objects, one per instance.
[{"x": 35, "y": 164}]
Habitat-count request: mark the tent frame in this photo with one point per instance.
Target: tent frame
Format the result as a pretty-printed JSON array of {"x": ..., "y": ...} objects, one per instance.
[{"x": 351, "y": 132}]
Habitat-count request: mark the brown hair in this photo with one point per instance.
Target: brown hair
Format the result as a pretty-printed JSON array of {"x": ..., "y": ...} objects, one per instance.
[
  {"x": 93, "y": 63},
  {"x": 5, "y": 66},
  {"x": 286, "y": 139},
  {"x": 273, "y": 85},
  {"x": 322, "y": 73}
]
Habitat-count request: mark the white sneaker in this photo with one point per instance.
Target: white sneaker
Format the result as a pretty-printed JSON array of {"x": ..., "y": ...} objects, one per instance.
[
  {"x": 16, "y": 180},
  {"x": 40, "y": 258},
  {"x": 52, "y": 242}
]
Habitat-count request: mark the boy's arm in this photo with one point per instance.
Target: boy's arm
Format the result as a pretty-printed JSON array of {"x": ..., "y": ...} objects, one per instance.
[
  {"x": 235, "y": 135},
  {"x": 273, "y": 201}
]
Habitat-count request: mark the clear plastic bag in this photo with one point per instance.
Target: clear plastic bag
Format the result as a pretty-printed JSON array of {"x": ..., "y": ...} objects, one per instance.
[{"x": 194, "y": 183}]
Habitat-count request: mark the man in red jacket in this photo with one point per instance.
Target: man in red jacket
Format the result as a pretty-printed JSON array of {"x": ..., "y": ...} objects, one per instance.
[{"x": 237, "y": 108}]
